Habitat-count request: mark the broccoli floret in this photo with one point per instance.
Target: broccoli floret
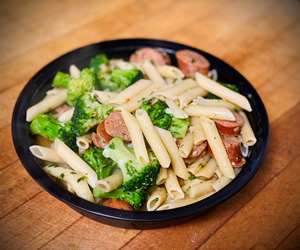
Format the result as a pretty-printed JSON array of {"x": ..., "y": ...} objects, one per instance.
[
  {"x": 88, "y": 113},
  {"x": 97, "y": 61},
  {"x": 79, "y": 86},
  {"x": 67, "y": 135},
  {"x": 135, "y": 175},
  {"x": 134, "y": 198},
  {"x": 157, "y": 113},
  {"x": 179, "y": 127},
  {"x": 227, "y": 85},
  {"x": 118, "y": 79},
  {"x": 103, "y": 166},
  {"x": 46, "y": 126},
  {"x": 61, "y": 80}
]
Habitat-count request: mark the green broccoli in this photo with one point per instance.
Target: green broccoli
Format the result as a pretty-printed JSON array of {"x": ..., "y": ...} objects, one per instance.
[
  {"x": 157, "y": 113},
  {"x": 67, "y": 135},
  {"x": 61, "y": 80},
  {"x": 79, "y": 86},
  {"x": 97, "y": 61},
  {"x": 227, "y": 85},
  {"x": 134, "y": 198},
  {"x": 135, "y": 175},
  {"x": 46, "y": 126},
  {"x": 103, "y": 166},
  {"x": 179, "y": 127},
  {"x": 88, "y": 113},
  {"x": 118, "y": 79}
]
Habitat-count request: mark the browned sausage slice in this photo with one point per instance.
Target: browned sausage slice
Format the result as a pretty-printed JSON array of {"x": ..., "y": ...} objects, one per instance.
[
  {"x": 196, "y": 152},
  {"x": 154, "y": 55},
  {"x": 233, "y": 148},
  {"x": 115, "y": 126},
  {"x": 101, "y": 138},
  {"x": 191, "y": 62},
  {"x": 230, "y": 127},
  {"x": 118, "y": 204}
]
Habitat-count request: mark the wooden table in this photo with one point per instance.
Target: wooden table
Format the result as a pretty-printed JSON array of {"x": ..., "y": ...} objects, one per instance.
[{"x": 259, "y": 38}]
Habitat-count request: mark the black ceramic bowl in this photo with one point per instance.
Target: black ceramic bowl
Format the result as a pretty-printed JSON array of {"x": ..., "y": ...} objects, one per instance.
[{"x": 41, "y": 82}]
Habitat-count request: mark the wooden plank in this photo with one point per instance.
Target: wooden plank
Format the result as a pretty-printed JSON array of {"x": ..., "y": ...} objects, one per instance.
[
  {"x": 292, "y": 241},
  {"x": 7, "y": 152},
  {"x": 36, "y": 222},
  {"x": 16, "y": 188},
  {"x": 274, "y": 221},
  {"x": 193, "y": 233}
]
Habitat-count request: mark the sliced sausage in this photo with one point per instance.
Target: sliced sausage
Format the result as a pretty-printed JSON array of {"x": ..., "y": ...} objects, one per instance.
[
  {"x": 230, "y": 127},
  {"x": 154, "y": 55},
  {"x": 101, "y": 138},
  {"x": 233, "y": 148},
  {"x": 118, "y": 204},
  {"x": 115, "y": 126},
  {"x": 191, "y": 62},
  {"x": 61, "y": 109},
  {"x": 196, "y": 152}
]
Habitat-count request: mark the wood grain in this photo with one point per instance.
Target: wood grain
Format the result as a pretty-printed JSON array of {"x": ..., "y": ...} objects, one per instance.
[{"x": 259, "y": 38}]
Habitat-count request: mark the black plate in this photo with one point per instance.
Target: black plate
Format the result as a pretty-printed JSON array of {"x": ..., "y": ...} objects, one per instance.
[{"x": 41, "y": 82}]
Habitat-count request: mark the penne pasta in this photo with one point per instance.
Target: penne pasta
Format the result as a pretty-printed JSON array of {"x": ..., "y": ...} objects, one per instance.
[
  {"x": 169, "y": 71},
  {"x": 130, "y": 92},
  {"x": 197, "y": 131},
  {"x": 157, "y": 197},
  {"x": 217, "y": 147},
  {"x": 46, "y": 154},
  {"x": 162, "y": 176},
  {"x": 66, "y": 116},
  {"x": 74, "y": 71},
  {"x": 208, "y": 170},
  {"x": 248, "y": 136},
  {"x": 200, "y": 189},
  {"x": 221, "y": 113},
  {"x": 223, "y": 92},
  {"x": 220, "y": 183},
  {"x": 189, "y": 95},
  {"x": 186, "y": 145},
  {"x": 111, "y": 182},
  {"x": 172, "y": 186},
  {"x": 197, "y": 165},
  {"x": 136, "y": 136},
  {"x": 153, "y": 138},
  {"x": 104, "y": 96},
  {"x": 76, "y": 181},
  {"x": 74, "y": 161},
  {"x": 153, "y": 74},
  {"x": 83, "y": 142},
  {"x": 48, "y": 103},
  {"x": 214, "y": 102},
  {"x": 177, "y": 162},
  {"x": 175, "y": 110}
]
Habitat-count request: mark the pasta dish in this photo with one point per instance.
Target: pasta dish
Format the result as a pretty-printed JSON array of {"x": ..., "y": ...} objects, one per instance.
[{"x": 142, "y": 134}]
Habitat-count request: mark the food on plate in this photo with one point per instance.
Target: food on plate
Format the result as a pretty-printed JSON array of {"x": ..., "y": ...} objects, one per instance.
[{"x": 142, "y": 134}]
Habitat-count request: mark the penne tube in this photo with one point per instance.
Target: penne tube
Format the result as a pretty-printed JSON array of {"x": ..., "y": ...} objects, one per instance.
[
  {"x": 214, "y": 102},
  {"x": 223, "y": 92},
  {"x": 197, "y": 165},
  {"x": 172, "y": 186},
  {"x": 135, "y": 102},
  {"x": 208, "y": 170},
  {"x": 111, "y": 182},
  {"x": 170, "y": 72},
  {"x": 220, "y": 183},
  {"x": 186, "y": 145},
  {"x": 136, "y": 136},
  {"x": 153, "y": 74},
  {"x": 177, "y": 89},
  {"x": 221, "y": 113},
  {"x": 74, "y": 180},
  {"x": 48, "y": 103},
  {"x": 153, "y": 138},
  {"x": 177, "y": 162},
  {"x": 197, "y": 131},
  {"x": 83, "y": 142},
  {"x": 162, "y": 176},
  {"x": 74, "y": 161},
  {"x": 175, "y": 110},
  {"x": 130, "y": 92},
  {"x": 74, "y": 71},
  {"x": 189, "y": 95},
  {"x": 217, "y": 147},
  {"x": 248, "y": 136},
  {"x": 200, "y": 189},
  {"x": 104, "y": 96},
  {"x": 46, "y": 154},
  {"x": 157, "y": 197}
]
